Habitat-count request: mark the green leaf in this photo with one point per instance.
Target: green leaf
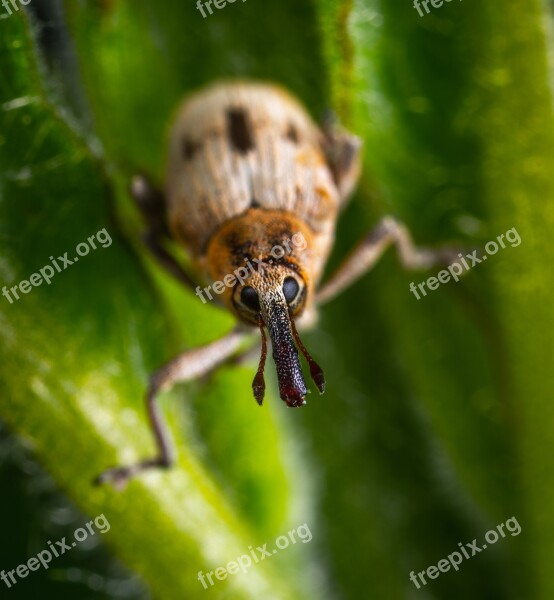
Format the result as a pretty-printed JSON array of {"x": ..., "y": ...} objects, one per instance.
[{"x": 449, "y": 434}]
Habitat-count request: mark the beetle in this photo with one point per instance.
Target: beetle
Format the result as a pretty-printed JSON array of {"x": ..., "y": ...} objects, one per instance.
[{"x": 248, "y": 170}]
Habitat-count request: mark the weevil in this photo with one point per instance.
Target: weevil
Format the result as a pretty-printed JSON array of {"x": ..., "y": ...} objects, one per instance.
[{"x": 248, "y": 169}]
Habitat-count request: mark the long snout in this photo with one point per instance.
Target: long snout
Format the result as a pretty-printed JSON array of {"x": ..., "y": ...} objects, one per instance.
[{"x": 292, "y": 387}]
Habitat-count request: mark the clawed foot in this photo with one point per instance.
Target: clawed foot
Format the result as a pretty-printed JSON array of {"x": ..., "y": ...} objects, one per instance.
[
  {"x": 441, "y": 257},
  {"x": 120, "y": 476}
]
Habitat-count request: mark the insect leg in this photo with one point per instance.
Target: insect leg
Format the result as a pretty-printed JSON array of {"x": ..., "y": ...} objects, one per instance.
[
  {"x": 343, "y": 151},
  {"x": 185, "y": 367},
  {"x": 370, "y": 249},
  {"x": 152, "y": 205}
]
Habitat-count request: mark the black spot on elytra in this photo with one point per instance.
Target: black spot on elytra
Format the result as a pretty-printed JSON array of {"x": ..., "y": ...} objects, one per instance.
[
  {"x": 254, "y": 203},
  {"x": 189, "y": 148},
  {"x": 292, "y": 134},
  {"x": 239, "y": 130}
]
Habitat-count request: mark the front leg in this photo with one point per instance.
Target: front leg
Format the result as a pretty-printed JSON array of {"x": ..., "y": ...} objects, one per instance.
[
  {"x": 187, "y": 366},
  {"x": 369, "y": 251},
  {"x": 343, "y": 152},
  {"x": 151, "y": 203}
]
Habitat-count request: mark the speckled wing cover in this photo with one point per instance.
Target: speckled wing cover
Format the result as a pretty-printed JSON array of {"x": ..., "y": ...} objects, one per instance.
[{"x": 241, "y": 145}]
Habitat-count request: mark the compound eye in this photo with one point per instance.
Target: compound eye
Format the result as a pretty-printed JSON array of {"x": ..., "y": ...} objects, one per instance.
[
  {"x": 290, "y": 289},
  {"x": 249, "y": 297}
]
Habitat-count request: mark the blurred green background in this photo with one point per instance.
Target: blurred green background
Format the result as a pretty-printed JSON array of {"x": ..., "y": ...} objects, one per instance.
[{"x": 437, "y": 424}]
